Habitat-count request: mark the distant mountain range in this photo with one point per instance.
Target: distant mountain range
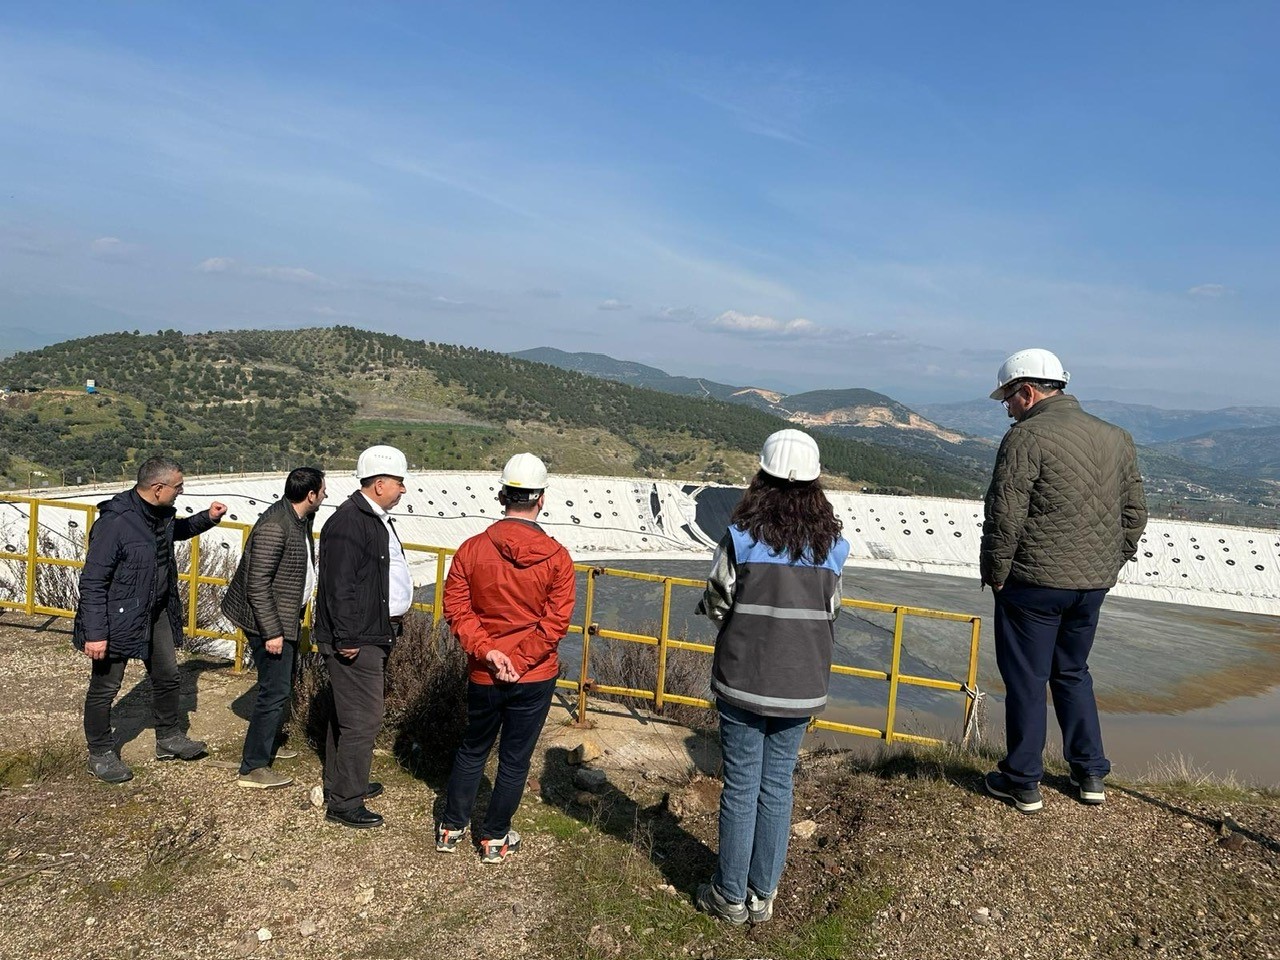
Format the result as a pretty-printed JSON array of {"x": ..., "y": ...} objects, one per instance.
[{"x": 1195, "y": 455}]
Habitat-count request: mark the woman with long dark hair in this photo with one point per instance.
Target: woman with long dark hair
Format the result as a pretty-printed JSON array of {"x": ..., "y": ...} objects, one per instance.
[{"x": 774, "y": 591}]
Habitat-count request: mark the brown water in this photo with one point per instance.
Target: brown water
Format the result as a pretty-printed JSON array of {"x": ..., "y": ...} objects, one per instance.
[{"x": 1172, "y": 681}]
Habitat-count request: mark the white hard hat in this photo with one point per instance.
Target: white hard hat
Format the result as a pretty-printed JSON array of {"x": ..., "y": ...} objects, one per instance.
[
  {"x": 790, "y": 455},
  {"x": 524, "y": 471},
  {"x": 382, "y": 460},
  {"x": 1032, "y": 364}
]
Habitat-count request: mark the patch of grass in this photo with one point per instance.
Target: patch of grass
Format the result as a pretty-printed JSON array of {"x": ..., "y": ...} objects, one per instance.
[
  {"x": 1178, "y": 775},
  {"x": 844, "y": 932},
  {"x": 39, "y": 762}
]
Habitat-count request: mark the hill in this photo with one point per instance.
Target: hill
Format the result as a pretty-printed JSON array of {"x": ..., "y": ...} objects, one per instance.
[
  {"x": 1253, "y": 451},
  {"x": 265, "y": 399}
]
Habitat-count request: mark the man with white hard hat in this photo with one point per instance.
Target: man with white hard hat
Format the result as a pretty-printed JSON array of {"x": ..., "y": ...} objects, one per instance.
[
  {"x": 364, "y": 591},
  {"x": 508, "y": 599},
  {"x": 1064, "y": 512}
]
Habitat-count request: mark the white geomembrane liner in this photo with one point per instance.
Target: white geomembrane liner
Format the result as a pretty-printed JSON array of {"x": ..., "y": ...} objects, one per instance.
[{"x": 1234, "y": 568}]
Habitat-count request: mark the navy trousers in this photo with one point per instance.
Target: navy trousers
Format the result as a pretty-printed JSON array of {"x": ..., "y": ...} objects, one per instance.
[
  {"x": 1043, "y": 636},
  {"x": 518, "y": 711}
]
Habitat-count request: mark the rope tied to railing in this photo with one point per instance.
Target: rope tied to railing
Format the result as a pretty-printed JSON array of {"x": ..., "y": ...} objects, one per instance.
[{"x": 973, "y": 729}]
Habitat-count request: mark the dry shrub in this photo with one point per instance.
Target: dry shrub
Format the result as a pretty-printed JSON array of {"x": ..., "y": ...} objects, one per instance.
[
  {"x": 56, "y": 586},
  {"x": 426, "y": 698},
  {"x": 620, "y": 663}
]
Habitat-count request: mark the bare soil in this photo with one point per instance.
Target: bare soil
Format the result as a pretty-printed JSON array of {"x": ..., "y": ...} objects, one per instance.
[{"x": 909, "y": 859}]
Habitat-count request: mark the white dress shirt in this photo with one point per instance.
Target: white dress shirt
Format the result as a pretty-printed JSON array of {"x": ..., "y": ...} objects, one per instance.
[{"x": 400, "y": 588}]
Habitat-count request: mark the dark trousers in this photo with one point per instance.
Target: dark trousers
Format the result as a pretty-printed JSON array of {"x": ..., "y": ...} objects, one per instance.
[
  {"x": 1043, "y": 636},
  {"x": 517, "y": 711},
  {"x": 276, "y": 673},
  {"x": 357, "y": 687},
  {"x": 104, "y": 684}
]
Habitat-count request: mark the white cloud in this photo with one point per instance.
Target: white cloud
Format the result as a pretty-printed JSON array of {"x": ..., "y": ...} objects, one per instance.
[
  {"x": 613, "y": 305},
  {"x": 1210, "y": 290},
  {"x": 112, "y": 249},
  {"x": 755, "y": 325},
  {"x": 232, "y": 267}
]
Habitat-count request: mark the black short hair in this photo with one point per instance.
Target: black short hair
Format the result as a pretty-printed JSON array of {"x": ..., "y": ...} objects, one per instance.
[
  {"x": 156, "y": 469},
  {"x": 301, "y": 481}
]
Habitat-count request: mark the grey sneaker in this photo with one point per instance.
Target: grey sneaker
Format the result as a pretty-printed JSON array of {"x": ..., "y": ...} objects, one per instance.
[
  {"x": 497, "y": 849},
  {"x": 1025, "y": 799},
  {"x": 1091, "y": 789},
  {"x": 712, "y": 902},
  {"x": 109, "y": 768},
  {"x": 447, "y": 838},
  {"x": 180, "y": 747},
  {"x": 264, "y": 778},
  {"x": 286, "y": 753},
  {"x": 760, "y": 909}
]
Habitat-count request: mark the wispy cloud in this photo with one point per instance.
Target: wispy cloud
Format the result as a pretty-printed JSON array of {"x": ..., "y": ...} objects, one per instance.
[
  {"x": 230, "y": 267},
  {"x": 112, "y": 250},
  {"x": 769, "y": 328},
  {"x": 1210, "y": 291},
  {"x": 613, "y": 305}
]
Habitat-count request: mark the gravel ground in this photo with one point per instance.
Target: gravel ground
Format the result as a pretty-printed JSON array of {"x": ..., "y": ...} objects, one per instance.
[{"x": 181, "y": 862}]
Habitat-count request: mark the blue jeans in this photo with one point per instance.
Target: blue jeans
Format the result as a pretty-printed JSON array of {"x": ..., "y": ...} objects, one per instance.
[
  {"x": 276, "y": 674},
  {"x": 1043, "y": 636},
  {"x": 518, "y": 710},
  {"x": 755, "y": 808}
]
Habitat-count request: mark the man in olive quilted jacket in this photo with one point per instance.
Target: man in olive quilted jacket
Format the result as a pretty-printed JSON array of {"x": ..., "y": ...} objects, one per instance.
[{"x": 1064, "y": 512}]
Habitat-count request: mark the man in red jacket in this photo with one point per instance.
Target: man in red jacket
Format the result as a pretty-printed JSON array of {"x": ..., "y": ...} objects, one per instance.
[{"x": 508, "y": 599}]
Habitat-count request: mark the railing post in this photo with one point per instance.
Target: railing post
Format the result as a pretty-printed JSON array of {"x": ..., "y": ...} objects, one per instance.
[
  {"x": 663, "y": 633},
  {"x": 33, "y": 557},
  {"x": 193, "y": 587},
  {"x": 893, "y": 674},
  {"x": 437, "y": 598},
  {"x": 584, "y": 674},
  {"x": 970, "y": 703}
]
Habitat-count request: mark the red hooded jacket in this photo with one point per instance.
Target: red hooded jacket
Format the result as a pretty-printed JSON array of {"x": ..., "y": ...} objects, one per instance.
[{"x": 512, "y": 589}]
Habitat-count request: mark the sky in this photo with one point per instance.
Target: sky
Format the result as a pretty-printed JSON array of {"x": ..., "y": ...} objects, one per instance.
[{"x": 801, "y": 196}]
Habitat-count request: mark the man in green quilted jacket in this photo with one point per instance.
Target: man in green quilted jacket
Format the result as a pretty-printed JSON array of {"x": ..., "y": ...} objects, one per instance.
[{"x": 1064, "y": 512}]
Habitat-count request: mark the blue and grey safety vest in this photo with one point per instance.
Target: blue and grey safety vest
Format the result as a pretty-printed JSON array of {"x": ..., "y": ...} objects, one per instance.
[{"x": 777, "y": 625}]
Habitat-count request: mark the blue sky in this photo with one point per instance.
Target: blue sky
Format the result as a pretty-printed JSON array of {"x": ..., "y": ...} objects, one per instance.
[{"x": 891, "y": 196}]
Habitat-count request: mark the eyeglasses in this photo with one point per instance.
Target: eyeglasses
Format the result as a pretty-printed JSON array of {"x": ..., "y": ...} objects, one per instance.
[
  {"x": 1009, "y": 395},
  {"x": 177, "y": 486}
]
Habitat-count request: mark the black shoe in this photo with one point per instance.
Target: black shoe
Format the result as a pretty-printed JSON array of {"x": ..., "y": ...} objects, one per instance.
[
  {"x": 1025, "y": 799},
  {"x": 362, "y": 818},
  {"x": 180, "y": 747},
  {"x": 1091, "y": 789},
  {"x": 373, "y": 790},
  {"x": 109, "y": 768}
]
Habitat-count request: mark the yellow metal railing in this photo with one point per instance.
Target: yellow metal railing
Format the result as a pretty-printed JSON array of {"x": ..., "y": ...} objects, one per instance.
[{"x": 588, "y": 629}]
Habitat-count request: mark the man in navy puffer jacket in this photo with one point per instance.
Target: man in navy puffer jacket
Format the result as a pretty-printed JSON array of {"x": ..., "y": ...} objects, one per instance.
[{"x": 130, "y": 609}]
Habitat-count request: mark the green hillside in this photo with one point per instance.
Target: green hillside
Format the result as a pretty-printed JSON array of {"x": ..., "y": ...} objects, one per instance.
[{"x": 262, "y": 400}]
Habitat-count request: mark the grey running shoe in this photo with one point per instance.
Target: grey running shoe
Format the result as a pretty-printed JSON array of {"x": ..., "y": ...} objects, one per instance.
[
  {"x": 760, "y": 909},
  {"x": 712, "y": 902},
  {"x": 1091, "y": 789},
  {"x": 109, "y": 768},
  {"x": 1025, "y": 799},
  {"x": 286, "y": 753},
  {"x": 264, "y": 778},
  {"x": 447, "y": 838},
  {"x": 180, "y": 747},
  {"x": 497, "y": 849}
]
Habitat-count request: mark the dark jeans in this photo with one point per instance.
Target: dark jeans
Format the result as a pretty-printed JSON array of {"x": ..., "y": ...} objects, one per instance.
[
  {"x": 518, "y": 711},
  {"x": 1044, "y": 635},
  {"x": 357, "y": 687},
  {"x": 276, "y": 674},
  {"x": 104, "y": 684}
]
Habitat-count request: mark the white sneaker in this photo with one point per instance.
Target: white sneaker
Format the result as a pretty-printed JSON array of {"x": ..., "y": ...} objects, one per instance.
[{"x": 497, "y": 849}]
